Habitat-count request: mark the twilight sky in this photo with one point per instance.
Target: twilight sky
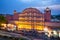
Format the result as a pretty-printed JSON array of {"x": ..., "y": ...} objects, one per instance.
[{"x": 7, "y": 6}]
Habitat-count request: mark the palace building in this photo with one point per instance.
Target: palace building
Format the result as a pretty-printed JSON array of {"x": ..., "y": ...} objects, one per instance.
[{"x": 32, "y": 18}]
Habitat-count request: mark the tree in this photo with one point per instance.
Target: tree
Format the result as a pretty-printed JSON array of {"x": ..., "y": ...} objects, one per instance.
[
  {"x": 58, "y": 17},
  {"x": 55, "y": 17},
  {"x": 2, "y": 20}
]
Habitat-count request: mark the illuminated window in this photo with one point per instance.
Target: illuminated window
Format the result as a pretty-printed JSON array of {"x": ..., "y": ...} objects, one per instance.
[
  {"x": 35, "y": 14},
  {"x": 30, "y": 13}
]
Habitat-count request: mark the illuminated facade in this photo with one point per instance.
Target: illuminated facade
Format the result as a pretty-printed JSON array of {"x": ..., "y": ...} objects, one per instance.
[{"x": 30, "y": 18}]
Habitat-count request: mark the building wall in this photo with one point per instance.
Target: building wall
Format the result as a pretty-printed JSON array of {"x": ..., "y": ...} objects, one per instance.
[
  {"x": 31, "y": 18},
  {"x": 47, "y": 14},
  {"x": 52, "y": 24},
  {"x": 9, "y": 17}
]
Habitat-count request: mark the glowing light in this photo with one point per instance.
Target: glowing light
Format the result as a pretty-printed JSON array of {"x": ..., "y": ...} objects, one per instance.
[
  {"x": 22, "y": 26},
  {"x": 46, "y": 33},
  {"x": 27, "y": 26},
  {"x": 55, "y": 33},
  {"x": 59, "y": 34},
  {"x": 3, "y": 26},
  {"x": 49, "y": 33},
  {"x": 39, "y": 28},
  {"x": 46, "y": 29}
]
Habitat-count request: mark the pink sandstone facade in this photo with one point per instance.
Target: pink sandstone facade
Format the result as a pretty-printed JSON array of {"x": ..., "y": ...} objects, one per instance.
[{"x": 32, "y": 18}]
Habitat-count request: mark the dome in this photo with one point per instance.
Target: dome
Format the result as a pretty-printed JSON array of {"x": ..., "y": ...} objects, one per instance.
[
  {"x": 47, "y": 9},
  {"x": 31, "y": 10}
]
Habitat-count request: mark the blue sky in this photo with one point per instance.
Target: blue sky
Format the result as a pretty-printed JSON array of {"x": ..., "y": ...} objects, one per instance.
[{"x": 8, "y": 6}]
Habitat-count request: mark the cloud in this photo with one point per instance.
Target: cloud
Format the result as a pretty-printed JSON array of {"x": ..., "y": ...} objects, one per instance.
[
  {"x": 55, "y": 7},
  {"x": 25, "y": 1},
  {"x": 36, "y": 1}
]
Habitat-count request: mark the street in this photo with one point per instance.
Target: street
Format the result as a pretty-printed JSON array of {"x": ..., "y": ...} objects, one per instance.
[{"x": 27, "y": 35}]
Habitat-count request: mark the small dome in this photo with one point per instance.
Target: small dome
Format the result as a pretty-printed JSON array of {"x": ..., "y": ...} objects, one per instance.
[
  {"x": 47, "y": 9},
  {"x": 14, "y": 10}
]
